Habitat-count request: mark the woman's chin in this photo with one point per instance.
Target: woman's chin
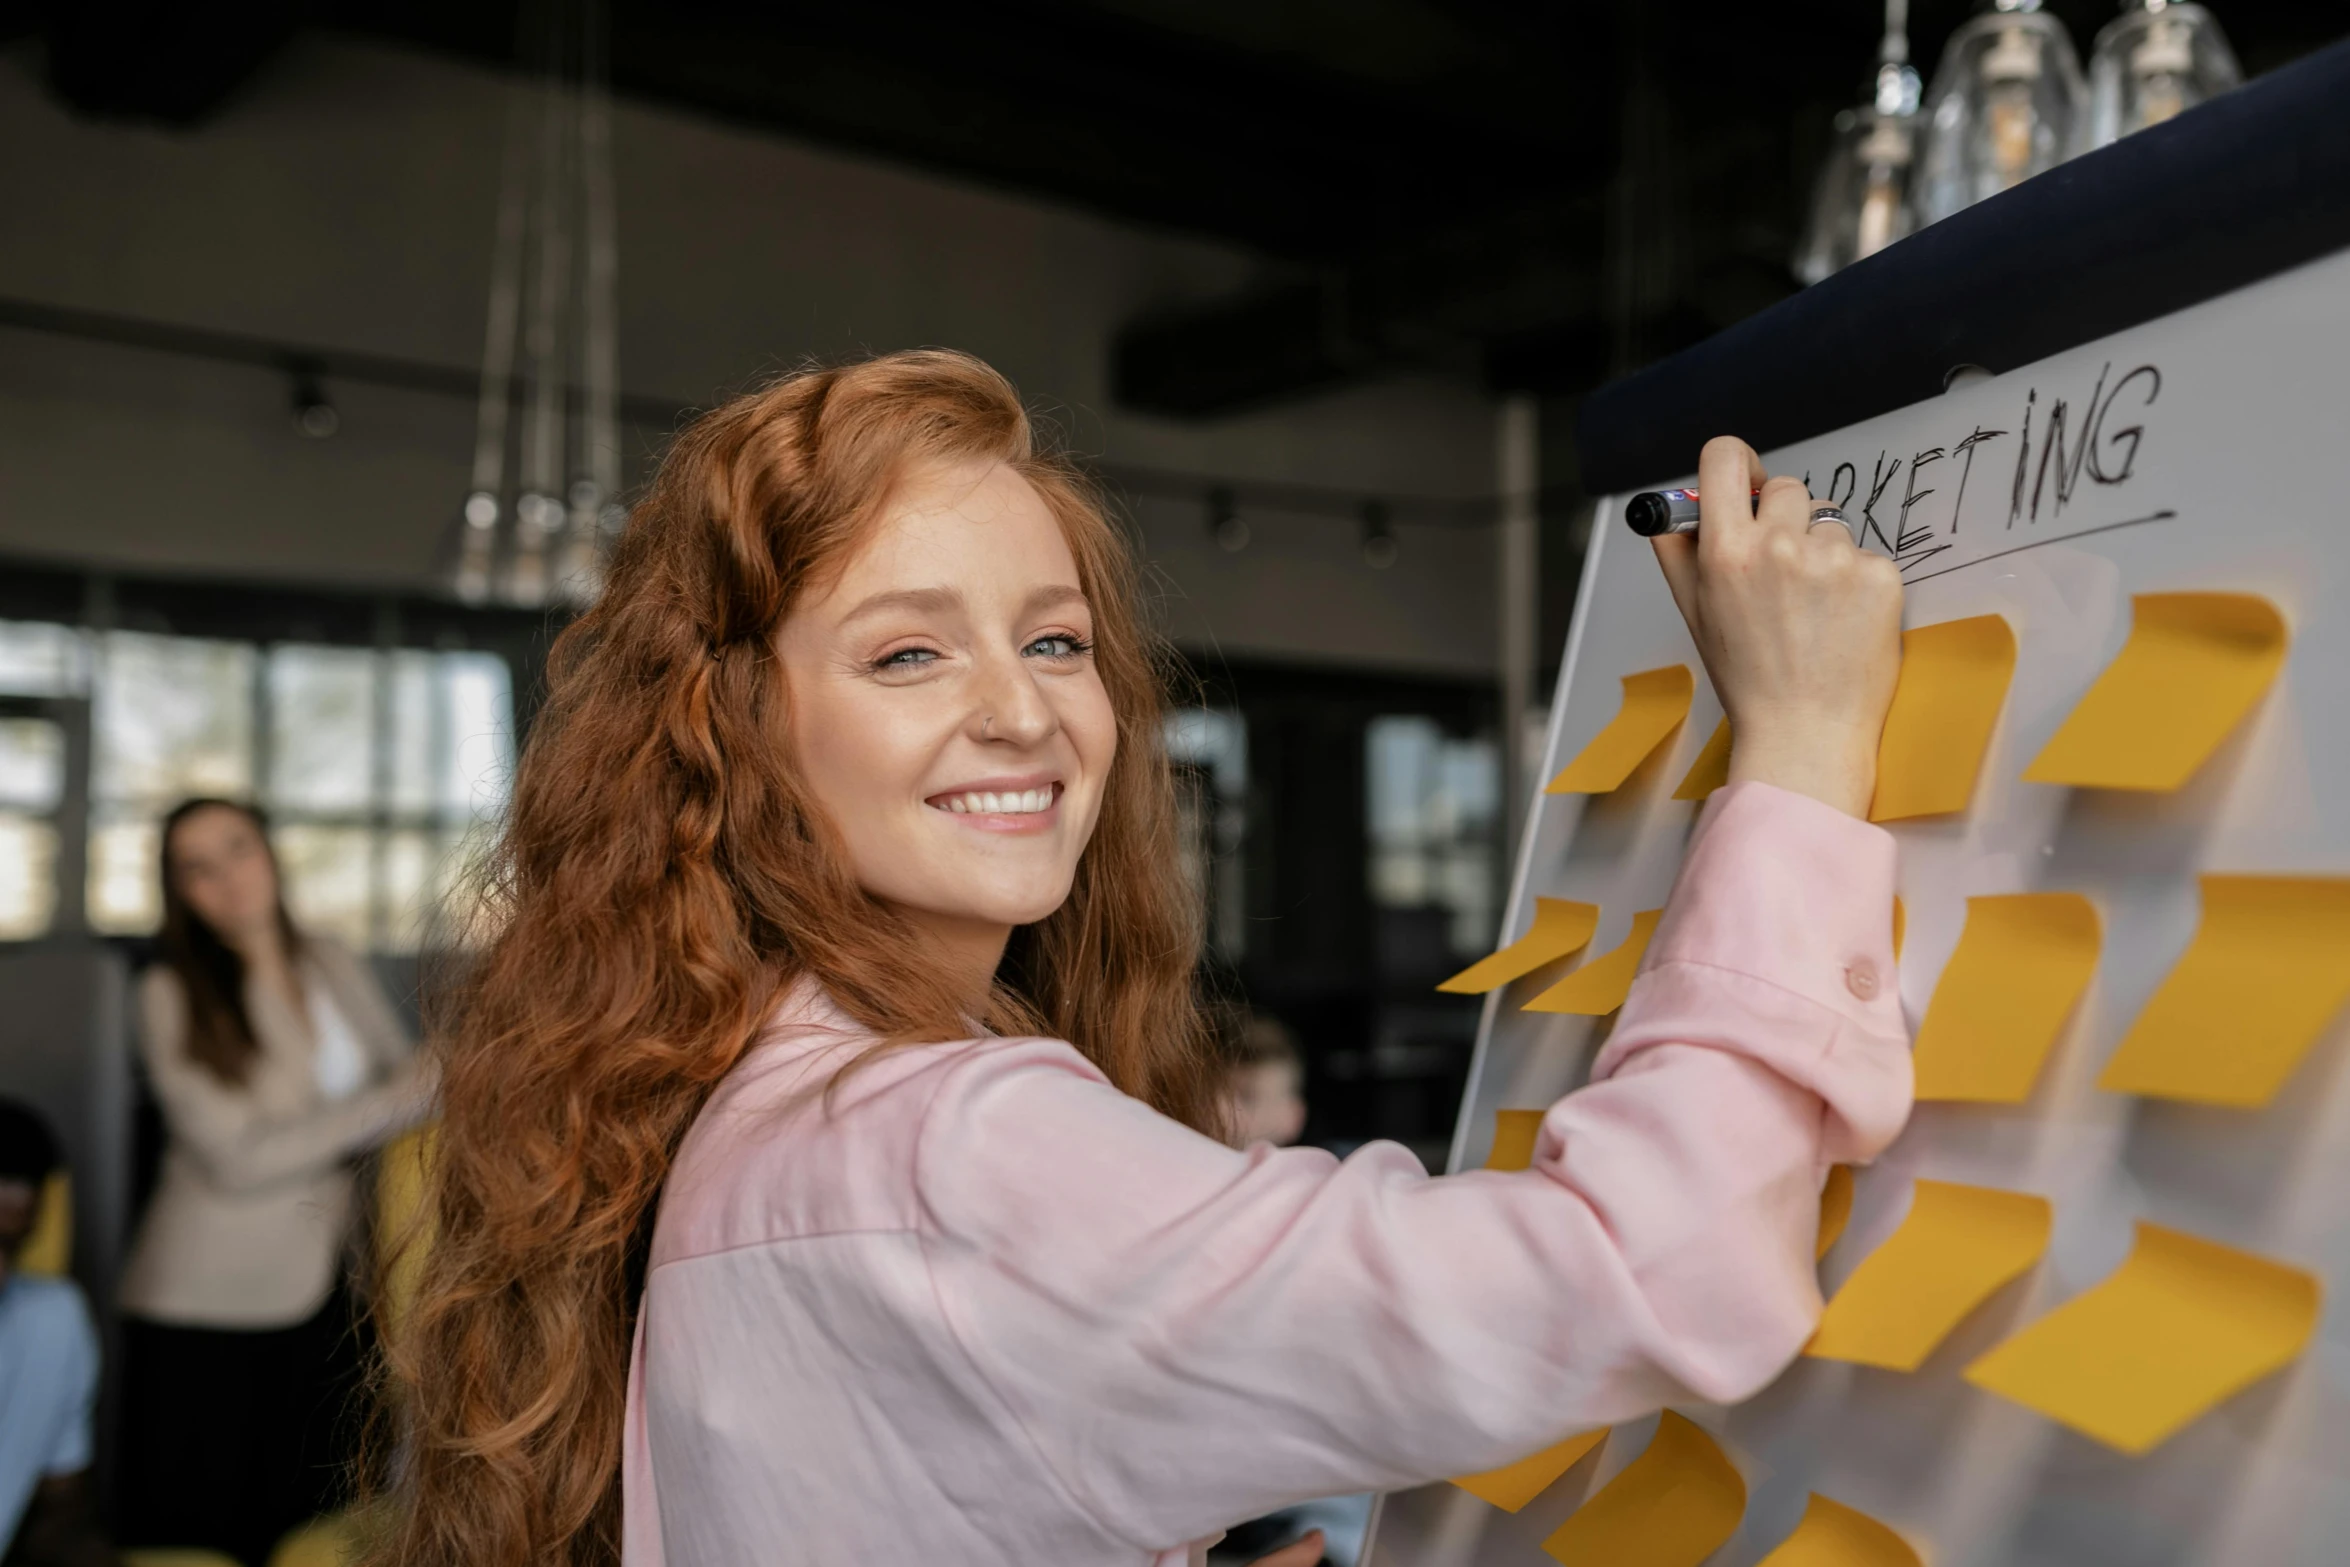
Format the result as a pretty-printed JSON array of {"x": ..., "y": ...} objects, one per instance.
[{"x": 1009, "y": 908}]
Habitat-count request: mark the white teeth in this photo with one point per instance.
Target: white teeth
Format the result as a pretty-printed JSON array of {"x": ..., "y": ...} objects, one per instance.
[{"x": 983, "y": 802}]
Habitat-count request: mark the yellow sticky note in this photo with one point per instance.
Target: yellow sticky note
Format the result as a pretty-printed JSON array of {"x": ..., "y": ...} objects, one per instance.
[
  {"x": 1835, "y": 1208},
  {"x": 1514, "y": 1132},
  {"x": 1561, "y": 926},
  {"x": 1673, "y": 1507},
  {"x": 1953, "y": 681},
  {"x": 2182, "y": 1324},
  {"x": 2021, "y": 965},
  {"x": 1655, "y": 702},
  {"x": 1956, "y": 1248},
  {"x": 1834, "y": 1535},
  {"x": 1711, "y": 770},
  {"x": 1900, "y": 926},
  {"x": 403, "y": 1220},
  {"x": 48, "y": 1249},
  {"x": 1514, "y": 1485},
  {"x": 2264, "y": 975},
  {"x": 2194, "y": 665},
  {"x": 1599, "y": 986}
]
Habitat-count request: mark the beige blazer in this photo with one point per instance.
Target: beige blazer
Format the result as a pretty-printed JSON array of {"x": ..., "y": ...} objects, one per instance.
[{"x": 249, "y": 1221}]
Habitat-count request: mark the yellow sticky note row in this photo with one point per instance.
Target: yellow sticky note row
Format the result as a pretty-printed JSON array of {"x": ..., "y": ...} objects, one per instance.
[
  {"x": 1514, "y": 1485},
  {"x": 1953, "y": 682},
  {"x": 1958, "y": 1245},
  {"x": 1514, "y": 1132},
  {"x": 2194, "y": 665},
  {"x": 1672, "y": 1507},
  {"x": 2021, "y": 965},
  {"x": 1711, "y": 770},
  {"x": 1599, "y": 986},
  {"x": 1835, "y": 1208},
  {"x": 2264, "y": 975},
  {"x": 1561, "y": 926},
  {"x": 1655, "y": 702},
  {"x": 2182, "y": 1324}
]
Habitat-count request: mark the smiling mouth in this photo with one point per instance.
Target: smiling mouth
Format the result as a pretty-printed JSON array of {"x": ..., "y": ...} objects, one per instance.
[{"x": 995, "y": 802}]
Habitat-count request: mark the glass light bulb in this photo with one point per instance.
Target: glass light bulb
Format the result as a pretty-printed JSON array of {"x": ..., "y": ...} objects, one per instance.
[
  {"x": 1860, "y": 202},
  {"x": 2006, "y": 104},
  {"x": 2157, "y": 58}
]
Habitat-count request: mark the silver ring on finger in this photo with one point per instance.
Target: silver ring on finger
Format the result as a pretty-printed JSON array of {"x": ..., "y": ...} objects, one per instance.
[{"x": 1834, "y": 514}]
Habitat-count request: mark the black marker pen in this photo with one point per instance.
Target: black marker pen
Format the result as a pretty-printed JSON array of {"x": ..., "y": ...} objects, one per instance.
[
  {"x": 1675, "y": 511},
  {"x": 1664, "y": 511}
]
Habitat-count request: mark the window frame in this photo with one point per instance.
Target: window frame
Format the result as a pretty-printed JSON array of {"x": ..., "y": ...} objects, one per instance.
[{"x": 264, "y": 617}]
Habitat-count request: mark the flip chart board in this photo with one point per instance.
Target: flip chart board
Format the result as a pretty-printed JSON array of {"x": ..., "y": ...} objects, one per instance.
[{"x": 2074, "y": 498}]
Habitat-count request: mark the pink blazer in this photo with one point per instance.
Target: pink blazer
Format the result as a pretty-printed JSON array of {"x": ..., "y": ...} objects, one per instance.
[{"x": 983, "y": 1308}]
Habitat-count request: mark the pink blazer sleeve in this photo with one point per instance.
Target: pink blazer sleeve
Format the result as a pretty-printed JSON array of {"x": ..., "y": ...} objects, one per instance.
[{"x": 1186, "y": 1330}]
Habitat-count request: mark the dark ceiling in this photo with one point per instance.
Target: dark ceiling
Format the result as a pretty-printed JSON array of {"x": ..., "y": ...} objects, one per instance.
[{"x": 1541, "y": 195}]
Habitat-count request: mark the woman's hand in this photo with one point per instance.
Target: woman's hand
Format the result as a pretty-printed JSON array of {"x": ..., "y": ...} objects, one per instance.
[{"x": 1800, "y": 630}]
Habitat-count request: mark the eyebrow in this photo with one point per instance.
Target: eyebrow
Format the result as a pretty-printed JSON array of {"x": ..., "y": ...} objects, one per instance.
[
  {"x": 934, "y": 600},
  {"x": 906, "y": 598}
]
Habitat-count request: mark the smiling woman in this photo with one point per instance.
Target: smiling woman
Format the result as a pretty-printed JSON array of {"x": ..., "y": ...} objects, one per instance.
[
  {"x": 850, "y": 604},
  {"x": 828, "y": 1165}
]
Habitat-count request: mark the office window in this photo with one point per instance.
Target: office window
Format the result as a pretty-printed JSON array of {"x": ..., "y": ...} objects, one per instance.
[
  {"x": 170, "y": 717},
  {"x": 381, "y": 771},
  {"x": 1209, "y": 749},
  {"x": 39, "y": 662},
  {"x": 32, "y": 782},
  {"x": 1434, "y": 805}
]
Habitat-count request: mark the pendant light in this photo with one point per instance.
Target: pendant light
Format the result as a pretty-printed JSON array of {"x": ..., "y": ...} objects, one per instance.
[
  {"x": 2008, "y": 102},
  {"x": 1860, "y": 203},
  {"x": 2155, "y": 59},
  {"x": 543, "y": 506}
]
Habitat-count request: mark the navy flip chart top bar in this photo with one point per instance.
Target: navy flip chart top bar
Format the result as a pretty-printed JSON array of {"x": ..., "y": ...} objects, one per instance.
[{"x": 2228, "y": 193}]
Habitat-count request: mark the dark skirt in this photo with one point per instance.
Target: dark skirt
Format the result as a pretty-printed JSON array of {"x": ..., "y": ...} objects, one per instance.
[{"x": 231, "y": 1438}]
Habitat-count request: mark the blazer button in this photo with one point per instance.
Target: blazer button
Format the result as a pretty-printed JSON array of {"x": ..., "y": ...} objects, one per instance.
[{"x": 1861, "y": 980}]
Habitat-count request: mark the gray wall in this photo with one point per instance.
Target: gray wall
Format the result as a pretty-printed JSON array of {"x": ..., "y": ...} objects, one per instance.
[{"x": 345, "y": 199}]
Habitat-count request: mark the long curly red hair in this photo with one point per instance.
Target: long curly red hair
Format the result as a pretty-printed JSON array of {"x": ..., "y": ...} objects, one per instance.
[{"x": 662, "y": 879}]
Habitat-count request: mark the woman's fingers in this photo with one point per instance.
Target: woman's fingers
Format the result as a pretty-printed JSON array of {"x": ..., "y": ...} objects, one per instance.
[
  {"x": 1785, "y": 504},
  {"x": 1728, "y": 472}
]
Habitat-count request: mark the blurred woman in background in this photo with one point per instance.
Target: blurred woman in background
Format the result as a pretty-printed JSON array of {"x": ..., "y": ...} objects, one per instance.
[{"x": 277, "y": 1062}]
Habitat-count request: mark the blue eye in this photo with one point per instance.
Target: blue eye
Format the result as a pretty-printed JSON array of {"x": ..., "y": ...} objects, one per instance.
[
  {"x": 907, "y": 658},
  {"x": 1058, "y": 646}
]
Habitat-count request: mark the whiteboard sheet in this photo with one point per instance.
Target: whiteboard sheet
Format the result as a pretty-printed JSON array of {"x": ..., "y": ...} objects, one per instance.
[{"x": 2205, "y": 450}]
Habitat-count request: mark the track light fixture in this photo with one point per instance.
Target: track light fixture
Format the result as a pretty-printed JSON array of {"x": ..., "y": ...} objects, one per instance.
[
  {"x": 1225, "y": 524},
  {"x": 314, "y": 415}
]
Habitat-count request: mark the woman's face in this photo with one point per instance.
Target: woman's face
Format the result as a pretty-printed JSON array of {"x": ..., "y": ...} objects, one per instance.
[
  {"x": 220, "y": 864},
  {"x": 945, "y": 710}
]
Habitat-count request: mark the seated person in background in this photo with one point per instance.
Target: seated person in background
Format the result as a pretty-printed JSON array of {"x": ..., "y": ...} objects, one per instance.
[
  {"x": 1265, "y": 1083},
  {"x": 48, "y": 1375}
]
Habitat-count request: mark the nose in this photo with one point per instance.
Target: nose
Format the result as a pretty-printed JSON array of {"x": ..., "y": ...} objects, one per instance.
[{"x": 1011, "y": 707}]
